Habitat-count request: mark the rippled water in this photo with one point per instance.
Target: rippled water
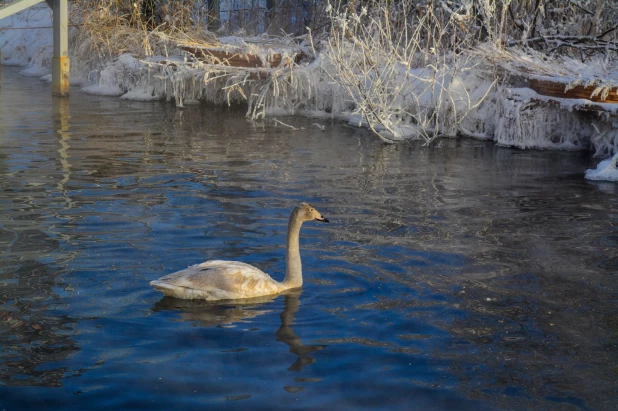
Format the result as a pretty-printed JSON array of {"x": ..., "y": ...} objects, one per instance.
[{"x": 465, "y": 276}]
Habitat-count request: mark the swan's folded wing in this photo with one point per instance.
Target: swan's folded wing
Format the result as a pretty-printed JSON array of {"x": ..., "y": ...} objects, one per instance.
[{"x": 231, "y": 278}]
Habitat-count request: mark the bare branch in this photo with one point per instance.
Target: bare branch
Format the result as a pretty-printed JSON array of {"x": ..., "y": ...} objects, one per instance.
[
  {"x": 287, "y": 125},
  {"x": 575, "y": 3}
]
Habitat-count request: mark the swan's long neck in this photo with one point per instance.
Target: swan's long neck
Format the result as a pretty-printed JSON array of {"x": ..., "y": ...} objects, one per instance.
[{"x": 293, "y": 271}]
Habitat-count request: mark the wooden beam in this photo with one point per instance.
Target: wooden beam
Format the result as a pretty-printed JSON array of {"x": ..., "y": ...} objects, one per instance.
[
  {"x": 16, "y": 7},
  {"x": 555, "y": 89}
]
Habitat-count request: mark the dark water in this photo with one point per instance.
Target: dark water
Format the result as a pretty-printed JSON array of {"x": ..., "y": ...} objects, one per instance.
[{"x": 465, "y": 276}]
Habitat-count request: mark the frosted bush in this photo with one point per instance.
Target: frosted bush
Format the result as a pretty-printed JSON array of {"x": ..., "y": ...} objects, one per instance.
[{"x": 403, "y": 69}]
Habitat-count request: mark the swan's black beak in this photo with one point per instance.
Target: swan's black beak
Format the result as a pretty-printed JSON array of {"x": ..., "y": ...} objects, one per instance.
[{"x": 322, "y": 219}]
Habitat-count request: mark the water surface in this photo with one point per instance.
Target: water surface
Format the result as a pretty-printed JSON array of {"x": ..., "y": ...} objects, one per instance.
[{"x": 463, "y": 276}]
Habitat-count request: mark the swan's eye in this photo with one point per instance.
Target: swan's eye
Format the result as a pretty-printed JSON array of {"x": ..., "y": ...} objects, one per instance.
[{"x": 311, "y": 209}]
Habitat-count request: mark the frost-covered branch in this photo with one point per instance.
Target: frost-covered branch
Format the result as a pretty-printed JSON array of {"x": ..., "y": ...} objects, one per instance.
[
  {"x": 403, "y": 70},
  {"x": 453, "y": 14},
  {"x": 542, "y": 24},
  {"x": 576, "y": 42},
  {"x": 575, "y": 3}
]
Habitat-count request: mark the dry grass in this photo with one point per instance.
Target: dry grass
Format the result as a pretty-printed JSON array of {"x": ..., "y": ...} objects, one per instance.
[{"x": 113, "y": 27}]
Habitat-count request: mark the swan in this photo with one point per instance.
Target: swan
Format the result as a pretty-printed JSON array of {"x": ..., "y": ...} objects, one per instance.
[{"x": 231, "y": 280}]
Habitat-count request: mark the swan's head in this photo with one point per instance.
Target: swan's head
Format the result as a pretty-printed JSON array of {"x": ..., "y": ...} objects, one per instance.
[{"x": 307, "y": 212}]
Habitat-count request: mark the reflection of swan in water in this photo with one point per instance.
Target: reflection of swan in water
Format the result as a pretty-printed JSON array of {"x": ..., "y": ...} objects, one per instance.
[
  {"x": 286, "y": 334},
  {"x": 211, "y": 314},
  {"x": 229, "y": 280}
]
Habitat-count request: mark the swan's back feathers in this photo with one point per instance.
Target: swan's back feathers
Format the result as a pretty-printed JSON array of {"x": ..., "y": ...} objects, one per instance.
[{"x": 218, "y": 280}]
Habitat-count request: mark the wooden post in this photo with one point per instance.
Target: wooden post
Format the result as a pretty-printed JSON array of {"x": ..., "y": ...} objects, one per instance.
[{"x": 60, "y": 61}]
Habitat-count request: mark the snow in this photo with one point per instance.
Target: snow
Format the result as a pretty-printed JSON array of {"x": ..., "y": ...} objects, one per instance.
[
  {"x": 147, "y": 94},
  {"x": 103, "y": 90},
  {"x": 525, "y": 124},
  {"x": 606, "y": 170},
  {"x": 109, "y": 81},
  {"x": 22, "y": 45},
  {"x": 563, "y": 69},
  {"x": 511, "y": 116}
]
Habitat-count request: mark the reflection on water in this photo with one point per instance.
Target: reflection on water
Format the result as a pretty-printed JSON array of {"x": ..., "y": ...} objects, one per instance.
[
  {"x": 231, "y": 312},
  {"x": 61, "y": 116},
  {"x": 35, "y": 338},
  {"x": 467, "y": 276},
  {"x": 31, "y": 336},
  {"x": 286, "y": 335},
  {"x": 212, "y": 314}
]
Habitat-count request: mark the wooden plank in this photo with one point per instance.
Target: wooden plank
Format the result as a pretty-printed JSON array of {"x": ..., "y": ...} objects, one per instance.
[
  {"x": 554, "y": 89},
  {"x": 588, "y": 107}
]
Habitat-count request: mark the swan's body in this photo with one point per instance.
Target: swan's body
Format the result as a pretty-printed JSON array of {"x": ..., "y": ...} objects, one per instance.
[
  {"x": 230, "y": 280},
  {"x": 218, "y": 280}
]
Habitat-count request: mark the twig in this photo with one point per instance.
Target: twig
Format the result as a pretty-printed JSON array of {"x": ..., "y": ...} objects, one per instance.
[
  {"x": 287, "y": 125},
  {"x": 600, "y": 36},
  {"x": 574, "y": 3},
  {"x": 454, "y": 14},
  {"x": 519, "y": 26},
  {"x": 580, "y": 42},
  {"x": 537, "y": 9}
]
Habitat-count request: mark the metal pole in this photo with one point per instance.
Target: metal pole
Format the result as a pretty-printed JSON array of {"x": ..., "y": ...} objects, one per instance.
[
  {"x": 16, "y": 7},
  {"x": 60, "y": 61}
]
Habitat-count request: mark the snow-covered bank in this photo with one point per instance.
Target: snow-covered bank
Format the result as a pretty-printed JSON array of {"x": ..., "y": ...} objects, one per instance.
[
  {"x": 26, "y": 40},
  {"x": 509, "y": 115},
  {"x": 606, "y": 170}
]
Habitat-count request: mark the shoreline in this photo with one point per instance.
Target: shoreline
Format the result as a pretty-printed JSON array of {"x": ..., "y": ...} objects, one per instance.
[{"x": 509, "y": 116}]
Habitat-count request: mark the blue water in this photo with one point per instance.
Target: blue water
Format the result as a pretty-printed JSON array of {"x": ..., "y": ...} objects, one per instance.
[{"x": 462, "y": 276}]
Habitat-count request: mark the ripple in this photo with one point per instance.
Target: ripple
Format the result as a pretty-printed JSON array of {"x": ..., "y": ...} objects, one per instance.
[
  {"x": 235, "y": 350},
  {"x": 348, "y": 290},
  {"x": 414, "y": 336},
  {"x": 354, "y": 340},
  {"x": 307, "y": 379},
  {"x": 405, "y": 350},
  {"x": 293, "y": 389},
  {"x": 237, "y": 397}
]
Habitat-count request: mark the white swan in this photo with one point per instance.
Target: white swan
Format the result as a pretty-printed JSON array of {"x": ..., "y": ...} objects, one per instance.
[{"x": 230, "y": 280}]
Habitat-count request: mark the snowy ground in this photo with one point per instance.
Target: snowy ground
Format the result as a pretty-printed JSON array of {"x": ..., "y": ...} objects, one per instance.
[{"x": 516, "y": 117}]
